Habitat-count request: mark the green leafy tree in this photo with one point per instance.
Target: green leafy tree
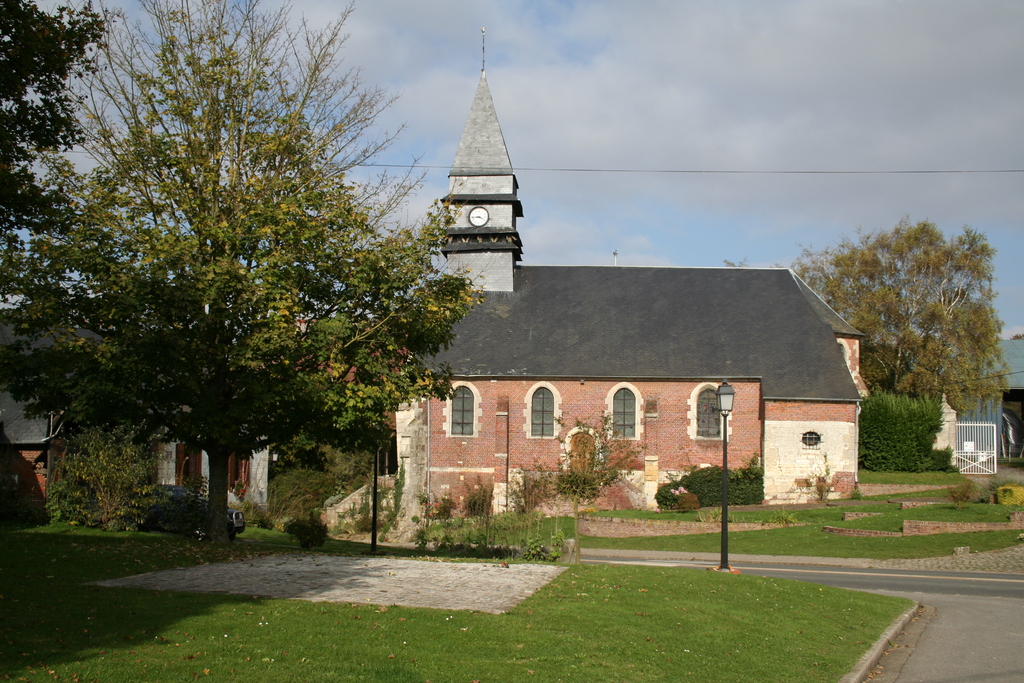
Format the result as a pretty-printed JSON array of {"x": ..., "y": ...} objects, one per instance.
[
  {"x": 39, "y": 53},
  {"x": 924, "y": 303},
  {"x": 594, "y": 459},
  {"x": 224, "y": 283}
]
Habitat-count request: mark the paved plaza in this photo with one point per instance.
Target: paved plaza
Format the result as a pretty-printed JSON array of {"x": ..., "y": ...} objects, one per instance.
[{"x": 483, "y": 587}]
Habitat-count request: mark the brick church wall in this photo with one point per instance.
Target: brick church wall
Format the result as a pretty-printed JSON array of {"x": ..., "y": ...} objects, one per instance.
[{"x": 666, "y": 429}]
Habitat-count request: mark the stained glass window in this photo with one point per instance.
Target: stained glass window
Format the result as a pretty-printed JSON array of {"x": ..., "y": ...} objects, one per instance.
[{"x": 708, "y": 417}]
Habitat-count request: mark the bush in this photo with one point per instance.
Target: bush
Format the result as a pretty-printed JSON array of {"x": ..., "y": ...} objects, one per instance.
[
  {"x": 1010, "y": 495},
  {"x": 102, "y": 479},
  {"x": 255, "y": 515},
  {"x": 478, "y": 501},
  {"x": 783, "y": 518},
  {"x": 296, "y": 493},
  {"x": 942, "y": 460},
  {"x": 310, "y": 531},
  {"x": 961, "y": 495},
  {"x": 897, "y": 433},
  {"x": 746, "y": 485},
  {"x": 188, "y": 514},
  {"x": 674, "y": 496},
  {"x": 534, "y": 490}
]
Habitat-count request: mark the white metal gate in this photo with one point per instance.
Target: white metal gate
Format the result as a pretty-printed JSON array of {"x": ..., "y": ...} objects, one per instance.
[{"x": 976, "y": 447}]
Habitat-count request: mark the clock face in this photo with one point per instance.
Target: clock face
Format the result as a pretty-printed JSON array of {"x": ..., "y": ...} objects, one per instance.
[{"x": 478, "y": 216}]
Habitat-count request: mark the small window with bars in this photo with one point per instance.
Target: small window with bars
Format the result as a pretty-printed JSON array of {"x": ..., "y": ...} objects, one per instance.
[{"x": 811, "y": 440}]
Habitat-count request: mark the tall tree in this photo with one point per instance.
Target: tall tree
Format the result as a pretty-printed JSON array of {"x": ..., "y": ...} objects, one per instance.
[
  {"x": 39, "y": 53},
  {"x": 223, "y": 282},
  {"x": 924, "y": 303}
]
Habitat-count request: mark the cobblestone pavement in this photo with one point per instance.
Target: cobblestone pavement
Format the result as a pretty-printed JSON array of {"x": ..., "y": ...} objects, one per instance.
[
  {"x": 381, "y": 581},
  {"x": 1009, "y": 560}
]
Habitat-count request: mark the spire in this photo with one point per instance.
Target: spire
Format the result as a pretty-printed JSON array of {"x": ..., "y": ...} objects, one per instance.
[{"x": 482, "y": 148}]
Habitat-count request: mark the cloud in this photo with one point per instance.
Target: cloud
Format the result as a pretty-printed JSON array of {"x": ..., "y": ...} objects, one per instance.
[{"x": 844, "y": 85}]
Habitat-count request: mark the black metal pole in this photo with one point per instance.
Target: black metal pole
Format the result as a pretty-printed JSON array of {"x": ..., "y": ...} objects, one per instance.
[
  {"x": 373, "y": 515},
  {"x": 724, "y": 564}
]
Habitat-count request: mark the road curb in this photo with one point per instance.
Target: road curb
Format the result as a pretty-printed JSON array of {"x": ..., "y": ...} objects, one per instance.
[{"x": 863, "y": 668}]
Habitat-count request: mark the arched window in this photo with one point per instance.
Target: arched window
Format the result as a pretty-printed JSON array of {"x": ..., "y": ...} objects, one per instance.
[
  {"x": 708, "y": 418},
  {"x": 542, "y": 413},
  {"x": 462, "y": 412},
  {"x": 624, "y": 414}
]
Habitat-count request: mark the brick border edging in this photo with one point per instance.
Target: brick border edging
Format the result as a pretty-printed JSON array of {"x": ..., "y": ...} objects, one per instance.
[
  {"x": 913, "y": 527},
  {"x": 890, "y": 489},
  {"x": 626, "y": 527}
]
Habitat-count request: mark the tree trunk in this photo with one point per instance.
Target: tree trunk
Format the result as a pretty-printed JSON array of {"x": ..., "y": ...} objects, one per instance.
[
  {"x": 217, "y": 486},
  {"x": 576, "y": 531}
]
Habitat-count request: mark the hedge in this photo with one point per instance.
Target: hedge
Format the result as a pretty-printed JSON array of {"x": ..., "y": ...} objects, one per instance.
[
  {"x": 746, "y": 486},
  {"x": 897, "y": 433}
]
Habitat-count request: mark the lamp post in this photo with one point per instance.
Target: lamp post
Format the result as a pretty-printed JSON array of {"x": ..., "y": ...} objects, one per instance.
[{"x": 725, "y": 399}]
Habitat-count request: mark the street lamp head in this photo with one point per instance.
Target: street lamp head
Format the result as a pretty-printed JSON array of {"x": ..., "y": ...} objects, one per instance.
[{"x": 725, "y": 396}]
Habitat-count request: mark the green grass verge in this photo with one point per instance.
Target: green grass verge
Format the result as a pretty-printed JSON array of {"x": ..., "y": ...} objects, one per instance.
[
  {"x": 943, "y": 478},
  {"x": 811, "y": 541},
  {"x": 593, "y": 623}
]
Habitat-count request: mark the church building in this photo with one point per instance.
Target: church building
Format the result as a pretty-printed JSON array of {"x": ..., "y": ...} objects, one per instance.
[{"x": 647, "y": 346}]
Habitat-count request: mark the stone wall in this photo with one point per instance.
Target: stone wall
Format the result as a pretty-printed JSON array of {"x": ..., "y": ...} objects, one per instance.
[{"x": 790, "y": 467}]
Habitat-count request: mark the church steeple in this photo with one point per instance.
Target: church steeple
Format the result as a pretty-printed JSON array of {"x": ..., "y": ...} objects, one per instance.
[{"x": 482, "y": 187}]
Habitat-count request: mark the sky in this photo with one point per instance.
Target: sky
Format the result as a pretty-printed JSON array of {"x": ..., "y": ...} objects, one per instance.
[{"x": 850, "y": 89}]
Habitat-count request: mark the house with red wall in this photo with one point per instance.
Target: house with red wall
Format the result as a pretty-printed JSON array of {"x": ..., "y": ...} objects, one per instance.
[{"x": 648, "y": 346}]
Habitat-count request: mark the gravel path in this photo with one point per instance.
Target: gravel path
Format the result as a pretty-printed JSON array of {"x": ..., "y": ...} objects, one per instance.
[{"x": 481, "y": 587}]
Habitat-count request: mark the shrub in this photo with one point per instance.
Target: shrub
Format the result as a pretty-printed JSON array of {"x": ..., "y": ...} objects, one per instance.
[
  {"x": 746, "y": 485},
  {"x": 102, "y": 479},
  {"x": 255, "y": 515},
  {"x": 942, "y": 460},
  {"x": 961, "y": 495},
  {"x": 782, "y": 518},
  {"x": 897, "y": 433},
  {"x": 478, "y": 501},
  {"x": 309, "y": 531},
  {"x": 673, "y": 496},
  {"x": 1010, "y": 495},
  {"x": 534, "y": 491},
  {"x": 714, "y": 515},
  {"x": 296, "y": 493},
  {"x": 187, "y": 514}
]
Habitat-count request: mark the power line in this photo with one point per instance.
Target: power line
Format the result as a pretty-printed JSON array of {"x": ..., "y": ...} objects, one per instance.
[{"x": 725, "y": 171}]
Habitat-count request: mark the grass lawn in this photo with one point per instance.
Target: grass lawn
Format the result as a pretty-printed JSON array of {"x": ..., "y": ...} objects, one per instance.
[
  {"x": 939, "y": 478},
  {"x": 810, "y": 540},
  {"x": 593, "y": 623}
]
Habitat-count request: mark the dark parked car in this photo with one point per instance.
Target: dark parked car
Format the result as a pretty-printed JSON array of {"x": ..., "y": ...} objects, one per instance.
[{"x": 178, "y": 510}]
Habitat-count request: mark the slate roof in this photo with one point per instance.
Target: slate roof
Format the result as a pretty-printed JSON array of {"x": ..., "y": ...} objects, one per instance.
[
  {"x": 18, "y": 429},
  {"x": 482, "y": 148},
  {"x": 1013, "y": 354},
  {"x": 589, "y": 322}
]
